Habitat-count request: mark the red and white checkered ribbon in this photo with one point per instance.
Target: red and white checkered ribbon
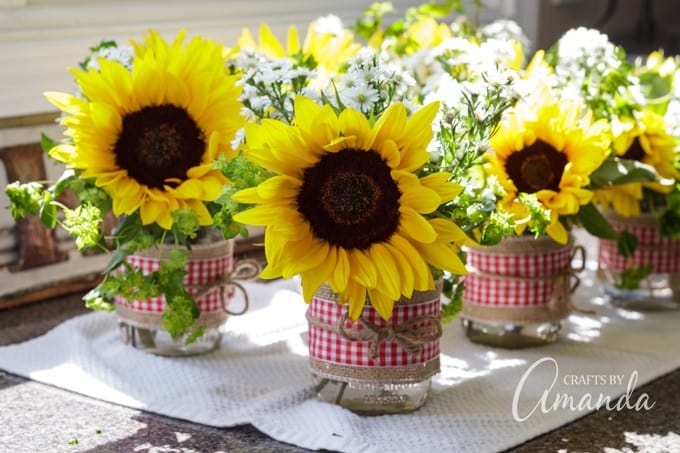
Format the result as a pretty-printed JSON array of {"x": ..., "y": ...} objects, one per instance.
[
  {"x": 359, "y": 346},
  {"x": 200, "y": 271},
  {"x": 662, "y": 253},
  {"x": 517, "y": 280}
]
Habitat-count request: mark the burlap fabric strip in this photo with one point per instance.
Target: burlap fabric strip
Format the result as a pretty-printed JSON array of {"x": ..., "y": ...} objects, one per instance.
[
  {"x": 521, "y": 280},
  {"x": 402, "y": 350}
]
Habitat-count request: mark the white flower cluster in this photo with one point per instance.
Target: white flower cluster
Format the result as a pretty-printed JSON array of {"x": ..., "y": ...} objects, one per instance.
[
  {"x": 369, "y": 85},
  {"x": 505, "y": 30},
  {"x": 269, "y": 85},
  {"x": 582, "y": 52},
  {"x": 460, "y": 57},
  {"x": 329, "y": 24},
  {"x": 123, "y": 54},
  {"x": 469, "y": 110}
]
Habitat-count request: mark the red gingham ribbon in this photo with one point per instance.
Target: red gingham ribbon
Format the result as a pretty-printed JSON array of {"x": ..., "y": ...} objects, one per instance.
[
  {"x": 199, "y": 271},
  {"x": 662, "y": 253},
  {"x": 326, "y": 344},
  {"x": 491, "y": 283}
]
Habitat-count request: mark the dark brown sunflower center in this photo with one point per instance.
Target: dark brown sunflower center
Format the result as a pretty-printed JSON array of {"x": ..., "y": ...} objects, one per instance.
[
  {"x": 158, "y": 143},
  {"x": 350, "y": 199},
  {"x": 635, "y": 152},
  {"x": 537, "y": 167}
]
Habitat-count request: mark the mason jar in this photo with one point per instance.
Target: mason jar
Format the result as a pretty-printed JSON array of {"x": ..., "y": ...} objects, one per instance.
[
  {"x": 517, "y": 292},
  {"x": 374, "y": 366}
]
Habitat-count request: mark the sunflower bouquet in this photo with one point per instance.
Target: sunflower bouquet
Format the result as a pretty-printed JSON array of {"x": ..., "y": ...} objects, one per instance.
[
  {"x": 648, "y": 133},
  {"x": 148, "y": 143},
  {"x": 637, "y": 99},
  {"x": 368, "y": 171}
]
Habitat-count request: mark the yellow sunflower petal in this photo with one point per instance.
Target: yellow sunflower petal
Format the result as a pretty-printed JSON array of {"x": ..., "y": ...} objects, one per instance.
[
  {"x": 353, "y": 123},
  {"x": 62, "y": 152},
  {"x": 405, "y": 270},
  {"x": 259, "y": 215},
  {"x": 440, "y": 183},
  {"x": 282, "y": 187},
  {"x": 415, "y": 195},
  {"x": 388, "y": 277},
  {"x": 383, "y": 303},
  {"x": 151, "y": 210},
  {"x": 419, "y": 133},
  {"x": 421, "y": 273},
  {"x": 269, "y": 43},
  {"x": 363, "y": 269},
  {"x": 355, "y": 295},
  {"x": 341, "y": 274},
  {"x": 557, "y": 231},
  {"x": 416, "y": 226},
  {"x": 313, "y": 279},
  {"x": 449, "y": 232},
  {"x": 247, "y": 196},
  {"x": 443, "y": 257}
]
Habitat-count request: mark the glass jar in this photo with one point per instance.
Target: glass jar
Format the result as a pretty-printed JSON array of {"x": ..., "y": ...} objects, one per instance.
[
  {"x": 208, "y": 268},
  {"x": 372, "y": 366},
  {"x": 517, "y": 293},
  {"x": 660, "y": 290}
]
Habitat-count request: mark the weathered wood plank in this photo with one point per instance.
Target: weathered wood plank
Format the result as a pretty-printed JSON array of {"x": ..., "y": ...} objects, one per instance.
[{"x": 37, "y": 244}]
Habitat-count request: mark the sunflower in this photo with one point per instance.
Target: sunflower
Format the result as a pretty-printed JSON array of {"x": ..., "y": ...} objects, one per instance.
[
  {"x": 330, "y": 49},
  {"x": 644, "y": 139},
  {"x": 426, "y": 33},
  {"x": 346, "y": 206},
  {"x": 548, "y": 148},
  {"x": 149, "y": 136}
]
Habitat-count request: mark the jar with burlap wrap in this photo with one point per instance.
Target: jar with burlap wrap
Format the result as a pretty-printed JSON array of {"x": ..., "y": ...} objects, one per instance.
[
  {"x": 517, "y": 292},
  {"x": 660, "y": 290},
  {"x": 374, "y": 366},
  {"x": 211, "y": 279}
]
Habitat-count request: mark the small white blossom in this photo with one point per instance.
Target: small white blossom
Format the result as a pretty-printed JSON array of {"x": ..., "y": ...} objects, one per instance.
[
  {"x": 507, "y": 30},
  {"x": 360, "y": 97},
  {"x": 239, "y": 139},
  {"x": 329, "y": 24},
  {"x": 122, "y": 54}
]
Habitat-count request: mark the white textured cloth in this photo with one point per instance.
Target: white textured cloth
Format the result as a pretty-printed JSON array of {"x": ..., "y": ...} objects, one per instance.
[{"x": 259, "y": 375}]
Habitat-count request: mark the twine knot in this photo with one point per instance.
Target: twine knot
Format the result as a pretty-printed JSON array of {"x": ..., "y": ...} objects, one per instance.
[
  {"x": 411, "y": 335},
  {"x": 244, "y": 270}
]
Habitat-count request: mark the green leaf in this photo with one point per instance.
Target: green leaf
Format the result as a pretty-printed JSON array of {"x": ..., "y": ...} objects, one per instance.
[
  {"x": 48, "y": 215},
  {"x": 590, "y": 218},
  {"x": 195, "y": 334},
  {"x": 47, "y": 143},
  {"x": 94, "y": 300},
  {"x": 435, "y": 10},
  {"x": 63, "y": 181},
  {"x": 615, "y": 171},
  {"x": 117, "y": 259},
  {"x": 626, "y": 244},
  {"x": 631, "y": 278},
  {"x": 450, "y": 311}
]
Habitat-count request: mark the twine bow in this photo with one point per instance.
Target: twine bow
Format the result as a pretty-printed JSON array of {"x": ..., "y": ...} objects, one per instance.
[
  {"x": 244, "y": 270},
  {"x": 410, "y": 335}
]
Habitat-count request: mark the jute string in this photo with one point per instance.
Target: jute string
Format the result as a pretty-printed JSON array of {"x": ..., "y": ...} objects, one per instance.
[
  {"x": 243, "y": 270},
  {"x": 410, "y": 335},
  {"x": 557, "y": 307}
]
